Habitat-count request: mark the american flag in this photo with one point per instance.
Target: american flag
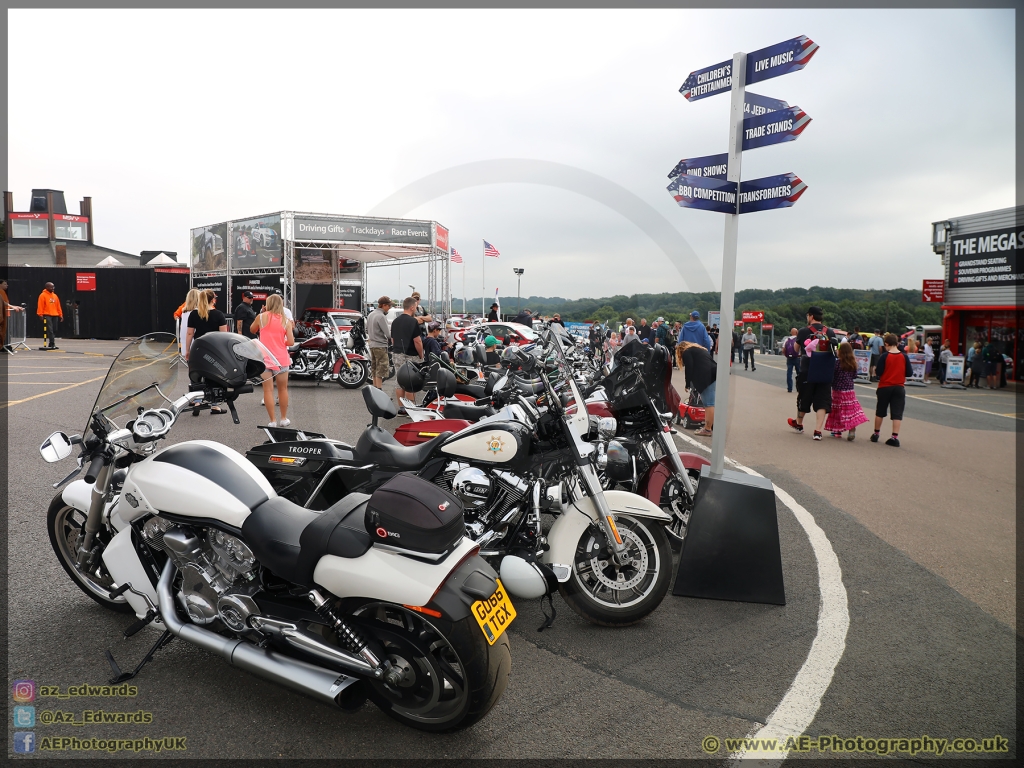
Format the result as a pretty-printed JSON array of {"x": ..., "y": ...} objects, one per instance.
[
  {"x": 456, "y": 256},
  {"x": 490, "y": 250}
]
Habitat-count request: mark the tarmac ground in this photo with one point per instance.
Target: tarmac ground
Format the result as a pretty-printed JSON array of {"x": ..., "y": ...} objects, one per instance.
[{"x": 924, "y": 536}]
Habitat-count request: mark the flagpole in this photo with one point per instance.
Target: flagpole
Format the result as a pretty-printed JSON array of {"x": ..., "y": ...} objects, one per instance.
[
  {"x": 483, "y": 274},
  {"x": 463, "y": 286}
]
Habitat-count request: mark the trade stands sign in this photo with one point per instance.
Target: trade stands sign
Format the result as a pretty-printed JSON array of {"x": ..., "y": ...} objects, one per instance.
[
  {"x": 362, "y": 230},
  {"x": 986, "y": 258}
]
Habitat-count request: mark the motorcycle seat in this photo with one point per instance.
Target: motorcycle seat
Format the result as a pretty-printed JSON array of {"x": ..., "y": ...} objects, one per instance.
[
  {"x": 379, "y": 447},
  {"x": 467, "y": 411},
  {"x": 294, "y": 347},
  {"x": 476, "y": 391},
  {"x": 290, "y": 540}
]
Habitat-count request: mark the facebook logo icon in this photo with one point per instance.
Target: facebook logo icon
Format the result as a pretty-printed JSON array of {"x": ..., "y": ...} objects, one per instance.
[{"x": 24, "y": 742}]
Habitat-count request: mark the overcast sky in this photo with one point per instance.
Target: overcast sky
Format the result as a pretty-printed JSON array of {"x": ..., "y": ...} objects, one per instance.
[{"x": 175, "y": 119}]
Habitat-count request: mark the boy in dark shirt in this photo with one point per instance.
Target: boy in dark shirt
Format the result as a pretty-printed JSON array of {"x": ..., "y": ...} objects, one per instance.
[{"x": 892, "y": 369}]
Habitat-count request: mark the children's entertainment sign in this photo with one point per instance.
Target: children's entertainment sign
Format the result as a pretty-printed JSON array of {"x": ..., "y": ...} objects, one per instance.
[{"x": 714, "y": 183}]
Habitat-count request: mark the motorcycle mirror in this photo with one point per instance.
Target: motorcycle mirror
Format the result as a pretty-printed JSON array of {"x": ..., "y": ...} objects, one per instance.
[{"x": 56, "y": 447}]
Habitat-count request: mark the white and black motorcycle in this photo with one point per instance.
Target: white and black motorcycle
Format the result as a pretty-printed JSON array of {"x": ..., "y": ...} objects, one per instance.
[{"x": 380, "y": 597}]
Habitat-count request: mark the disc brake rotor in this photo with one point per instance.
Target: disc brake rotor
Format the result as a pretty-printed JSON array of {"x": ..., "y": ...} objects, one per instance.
[{"x": 614, "y": 576}]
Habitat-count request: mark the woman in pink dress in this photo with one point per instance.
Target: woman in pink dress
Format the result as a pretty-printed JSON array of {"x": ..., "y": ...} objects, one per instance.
[
  {"x": 846, "y": 413},
  {"x": 275, "y": 332}
]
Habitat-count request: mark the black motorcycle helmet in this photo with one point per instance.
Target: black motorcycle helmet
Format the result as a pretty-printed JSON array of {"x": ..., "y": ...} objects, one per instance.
[
  {"x": 226, "y": 360},
  {"x": 410, "y": 378},
  {"x": 620, "y": 465}
]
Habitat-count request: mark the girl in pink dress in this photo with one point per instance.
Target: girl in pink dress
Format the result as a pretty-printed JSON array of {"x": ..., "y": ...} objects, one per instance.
[
  {"x": 846, "y": 413},
  {"x": 275, "y": 332}
]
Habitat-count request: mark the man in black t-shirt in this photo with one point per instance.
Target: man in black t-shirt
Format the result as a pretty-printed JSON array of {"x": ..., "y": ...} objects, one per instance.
[
  {"x": 812, "y": 396},
  {"x": 408, "y": 344},
  {"x": 244, "y": 315}
]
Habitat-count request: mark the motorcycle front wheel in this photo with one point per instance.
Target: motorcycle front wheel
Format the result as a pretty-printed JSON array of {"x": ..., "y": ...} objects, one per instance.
[
  {"x": 354, "y": 377},
  {"x": 452, "y": 677},
  {"x": 610, "y": 595},
  {"x": 676, "y": 502},
  {"x": 66, "y": 525}
]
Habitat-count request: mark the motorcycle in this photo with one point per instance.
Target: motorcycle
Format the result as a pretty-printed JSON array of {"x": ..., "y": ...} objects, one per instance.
[
  {"x": 607, "y": 552},
  {"x": 636, "y": 403},
  {"x": 361, "y": 600},
  {"x": 326, "y": 356}
]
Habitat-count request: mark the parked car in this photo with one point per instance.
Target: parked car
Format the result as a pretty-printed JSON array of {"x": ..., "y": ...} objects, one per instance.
[
  {"x": 313, "y": 319},
  {"x": 516, "y": 333}
]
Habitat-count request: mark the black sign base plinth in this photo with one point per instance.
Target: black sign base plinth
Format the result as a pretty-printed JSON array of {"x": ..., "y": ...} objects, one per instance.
[{"x": 731, "y": 550}]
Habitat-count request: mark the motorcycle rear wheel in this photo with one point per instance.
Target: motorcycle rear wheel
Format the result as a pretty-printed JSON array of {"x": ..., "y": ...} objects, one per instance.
[
  {"x": 675, "y": 502},
  {"x": 354, "y": 377},
  {"x": 612, "y": 596},
  {"x": 65, "y": 524},
  {"x": 453, "y": 676}
]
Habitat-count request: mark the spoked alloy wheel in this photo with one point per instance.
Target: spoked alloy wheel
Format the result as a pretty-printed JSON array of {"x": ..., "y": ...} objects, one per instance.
[
  {"x": 675, "y": 502},
  {"x": 66, "y": 525},
  {"x": 448, "y": 682},
  {"x": 354, "y": 377},
  {"x": 606, "y": 593}
]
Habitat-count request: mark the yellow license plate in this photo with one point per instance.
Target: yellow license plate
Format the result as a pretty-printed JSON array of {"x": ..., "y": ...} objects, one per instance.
[{"x": 494, "y": 614}]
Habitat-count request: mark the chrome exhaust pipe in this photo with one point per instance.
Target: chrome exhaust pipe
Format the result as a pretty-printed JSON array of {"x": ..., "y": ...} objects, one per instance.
[{"x": 320, "y": 683}]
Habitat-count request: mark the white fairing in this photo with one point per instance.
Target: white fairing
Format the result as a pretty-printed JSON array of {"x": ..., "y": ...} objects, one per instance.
[
  {"x": 578, "y": 515},
  {"x": 388, "y": 576},
  {"x": 495, "y": 445},
  {"x": 159, "y": 486},
  {"x": 124, "y": 567}
]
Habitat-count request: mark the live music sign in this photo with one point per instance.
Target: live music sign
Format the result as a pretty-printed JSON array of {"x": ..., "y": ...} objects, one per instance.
[{"x": 933, "y": 291}]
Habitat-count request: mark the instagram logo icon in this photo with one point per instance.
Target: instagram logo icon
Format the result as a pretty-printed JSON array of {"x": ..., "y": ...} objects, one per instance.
[{"x": 24, "y": 691}]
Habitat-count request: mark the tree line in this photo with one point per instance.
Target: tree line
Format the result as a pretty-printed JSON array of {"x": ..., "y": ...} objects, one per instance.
[{"x": 885, "y": 310}]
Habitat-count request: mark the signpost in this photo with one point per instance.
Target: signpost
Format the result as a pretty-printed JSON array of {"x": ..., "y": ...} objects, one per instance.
[
  {"x": 933, "y": 291},
  {"x": 714, "y": 318},
  {"x": 954, "y": 373},
  {"x": 917, "y": 364},
  {"x": 732, "y": 548}
]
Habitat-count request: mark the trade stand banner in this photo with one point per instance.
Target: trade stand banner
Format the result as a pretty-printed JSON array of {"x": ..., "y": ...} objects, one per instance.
[
  {"x": 580, "y": 330},
  {"x": 219, "y": 284},
  {"x": 350, "y": 297},
  {"x": 255, "y": 242},
  {"x": 863, "y": 358},
  {"x": 362, "y": 230},
  {"x": 986, "y": 258},
  {"x": 208, "y": 248},
  {"x": 261, "y": 287},
  {"x": 917, "y": 364}
]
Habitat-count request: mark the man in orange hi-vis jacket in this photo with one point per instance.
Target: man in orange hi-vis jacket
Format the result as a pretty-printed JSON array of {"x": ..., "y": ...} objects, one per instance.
[{"x": 50, "y": 312}]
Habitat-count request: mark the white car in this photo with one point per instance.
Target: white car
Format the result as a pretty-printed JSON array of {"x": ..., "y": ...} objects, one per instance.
[{"x": 264, "y": 236}]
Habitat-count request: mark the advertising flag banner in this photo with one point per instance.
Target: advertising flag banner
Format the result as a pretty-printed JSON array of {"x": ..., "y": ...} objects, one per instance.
[
  {"x": 773, "y": 61},
  {"x": 933, "y": 291},
  {"x": 780, "y": 59},
  {"x": 705, "y": 194},
  {"x": 770, "y": 193},
  {"x": 708, "y": 167},
  {"x": 442, "y": 238},
  {"x": 774, "y": 127}
]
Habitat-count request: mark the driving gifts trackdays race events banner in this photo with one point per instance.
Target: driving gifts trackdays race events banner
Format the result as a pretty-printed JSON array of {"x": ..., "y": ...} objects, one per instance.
[
  {"x": 986, "y": 258},
  {"x": 362, "y": 230}
]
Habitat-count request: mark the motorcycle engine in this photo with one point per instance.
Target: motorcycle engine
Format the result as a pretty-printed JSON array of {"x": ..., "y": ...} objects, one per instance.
[
  {"x": 217, "y": 571},
  {"x": 486, "y": 495}
]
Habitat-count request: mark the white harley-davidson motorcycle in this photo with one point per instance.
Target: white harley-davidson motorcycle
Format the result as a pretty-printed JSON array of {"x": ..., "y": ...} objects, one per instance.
[{"x": 379, "y": 597}]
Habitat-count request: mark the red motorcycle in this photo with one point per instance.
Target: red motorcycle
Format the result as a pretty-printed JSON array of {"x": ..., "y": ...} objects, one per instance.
[{"x": 323, "y": 358}]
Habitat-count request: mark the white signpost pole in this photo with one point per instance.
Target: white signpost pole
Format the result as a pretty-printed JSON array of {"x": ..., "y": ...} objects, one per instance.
[{"x": 732, "y": 224}]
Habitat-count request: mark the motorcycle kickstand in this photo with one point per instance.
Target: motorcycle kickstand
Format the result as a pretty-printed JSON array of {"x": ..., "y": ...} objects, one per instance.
[{"x": 120, "y": 677}]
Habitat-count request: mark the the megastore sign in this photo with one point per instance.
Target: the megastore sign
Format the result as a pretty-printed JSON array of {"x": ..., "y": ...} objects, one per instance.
[
  {"x": 986, "y": 258},
  {"x": 358, "y": 230}
]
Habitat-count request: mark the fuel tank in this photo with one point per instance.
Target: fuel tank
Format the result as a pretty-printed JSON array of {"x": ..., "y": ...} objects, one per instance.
[
  {"x": 599, "y": 409},
  {"x": 502, "y": 442},
  {"x": 317, "y": 342}
]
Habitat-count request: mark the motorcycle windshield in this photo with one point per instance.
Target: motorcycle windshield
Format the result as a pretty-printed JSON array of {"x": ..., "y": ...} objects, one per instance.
[
  {"x": 575, "y": 410},
  {"x": 141, "y": 376}
]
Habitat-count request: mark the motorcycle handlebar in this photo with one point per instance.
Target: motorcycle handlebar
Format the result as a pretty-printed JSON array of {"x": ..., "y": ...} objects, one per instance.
[{"x": 95, "y": 466}]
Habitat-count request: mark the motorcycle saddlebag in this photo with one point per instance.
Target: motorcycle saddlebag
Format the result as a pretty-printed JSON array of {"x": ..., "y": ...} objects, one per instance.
[{"x": 412, "y": 513}]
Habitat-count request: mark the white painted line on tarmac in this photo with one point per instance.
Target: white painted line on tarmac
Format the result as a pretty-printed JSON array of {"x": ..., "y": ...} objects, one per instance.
[{"x": 803, "y": 699}]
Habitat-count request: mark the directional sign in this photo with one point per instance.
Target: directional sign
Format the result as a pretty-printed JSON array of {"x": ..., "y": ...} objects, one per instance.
[
  {"x": 780, "y": 59},
  {"x": 754, "y": 104},
  {"x": 766, "y": 326},
  {"x": 706, "y": 194},
  {"x": 737, "y": 323},
  {"x": 709, "y": 166},
  {"x": 774, "y": 127},
  {"x": 750, "y": 316},
  {"x": 933, "y": 291},
  {"x": 773, "y": 61},
  {"x": 770, "y": 192}
]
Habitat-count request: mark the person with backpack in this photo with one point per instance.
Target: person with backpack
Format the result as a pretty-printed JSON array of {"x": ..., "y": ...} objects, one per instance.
[
  {"x": 846, "y": 414},
  {"x": 892, "y": 388},
  {"x": 817, "y": 365}
]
